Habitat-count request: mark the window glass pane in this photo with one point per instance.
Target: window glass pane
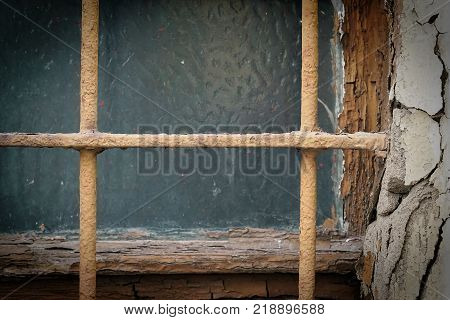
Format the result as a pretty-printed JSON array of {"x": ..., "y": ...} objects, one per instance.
[
  {"x": 208, "y": 62},
  {"x": 38, "y": 186},
  {"x": 40, "y": 66}
]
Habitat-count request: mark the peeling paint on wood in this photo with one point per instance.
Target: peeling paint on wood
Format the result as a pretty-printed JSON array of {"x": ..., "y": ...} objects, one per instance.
[
  {"x": 254, "y": 251},
  {"x": 366, "y": 104}
]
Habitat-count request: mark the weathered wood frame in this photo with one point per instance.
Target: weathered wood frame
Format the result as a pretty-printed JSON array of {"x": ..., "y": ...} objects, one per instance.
[
  {"x": 89, "y": 142},
  {"x": 135, "y": 252},
  {"x": 368, "y": 56}
]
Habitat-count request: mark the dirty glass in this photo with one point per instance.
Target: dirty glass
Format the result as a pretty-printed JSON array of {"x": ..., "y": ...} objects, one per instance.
[{"x": 173, "y": 67}]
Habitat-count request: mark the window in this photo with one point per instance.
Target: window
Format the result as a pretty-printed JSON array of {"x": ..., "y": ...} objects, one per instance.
[
  {"x": 174, "y": 67},
  {"x": 167, "y": 67}
]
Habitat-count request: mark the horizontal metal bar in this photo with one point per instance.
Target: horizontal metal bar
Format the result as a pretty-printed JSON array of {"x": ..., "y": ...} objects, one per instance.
[{"x": 99, "y": 140}]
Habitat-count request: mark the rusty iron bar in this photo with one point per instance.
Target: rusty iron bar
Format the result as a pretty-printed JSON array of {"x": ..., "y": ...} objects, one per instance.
[
  {"x": 308, "y": 167},
  {"x": 99, "y": 140},
  {"x": 88, "y": 158}
]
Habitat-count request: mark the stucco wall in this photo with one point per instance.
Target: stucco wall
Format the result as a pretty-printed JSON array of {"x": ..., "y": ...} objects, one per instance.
[{"x": 407, "y": 247}]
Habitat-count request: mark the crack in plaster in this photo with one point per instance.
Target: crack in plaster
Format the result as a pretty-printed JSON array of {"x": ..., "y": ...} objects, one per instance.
[
  {"x": 402, "y": 254},
  {"x": 432, "y": 261}
]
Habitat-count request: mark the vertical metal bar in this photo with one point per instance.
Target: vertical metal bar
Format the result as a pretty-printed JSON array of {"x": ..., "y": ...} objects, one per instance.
[
  {"x": 308, "y": 209},
  {"x": 88, "y": 224},
  {"x": 310, "y": 64},
  {"x": 308, "y": 168},
  {"x": 88, "y": 158}
]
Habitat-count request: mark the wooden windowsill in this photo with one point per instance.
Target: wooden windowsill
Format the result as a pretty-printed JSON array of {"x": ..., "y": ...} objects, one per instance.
[{"x": 133, "y": 252}]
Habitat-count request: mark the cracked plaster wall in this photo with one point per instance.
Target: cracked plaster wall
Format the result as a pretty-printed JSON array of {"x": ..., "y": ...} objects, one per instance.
[{"x": 407, "y": 247}]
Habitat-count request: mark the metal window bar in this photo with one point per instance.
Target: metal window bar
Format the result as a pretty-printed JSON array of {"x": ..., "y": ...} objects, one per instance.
[{"x": 89, "y": 142}]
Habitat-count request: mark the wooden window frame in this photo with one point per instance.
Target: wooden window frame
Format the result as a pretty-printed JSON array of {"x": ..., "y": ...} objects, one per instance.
[{"x": 240, "y": 250}]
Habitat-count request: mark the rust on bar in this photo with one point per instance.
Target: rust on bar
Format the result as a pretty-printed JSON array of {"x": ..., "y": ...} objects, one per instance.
[
  {"x": 88, "y": 158},
  {"x": 308, "y": 209},
  {"x": 99, "y": 140},
  {"x": 310, "y": 65},
  {"x": 88, "y": 223},
  {"x": 89, "y": 66},
  {"x": 308, "y": 172}
]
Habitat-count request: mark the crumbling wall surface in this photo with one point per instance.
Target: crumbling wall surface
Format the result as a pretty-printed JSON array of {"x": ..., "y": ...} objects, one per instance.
[{"x": 407, "y": 247}]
